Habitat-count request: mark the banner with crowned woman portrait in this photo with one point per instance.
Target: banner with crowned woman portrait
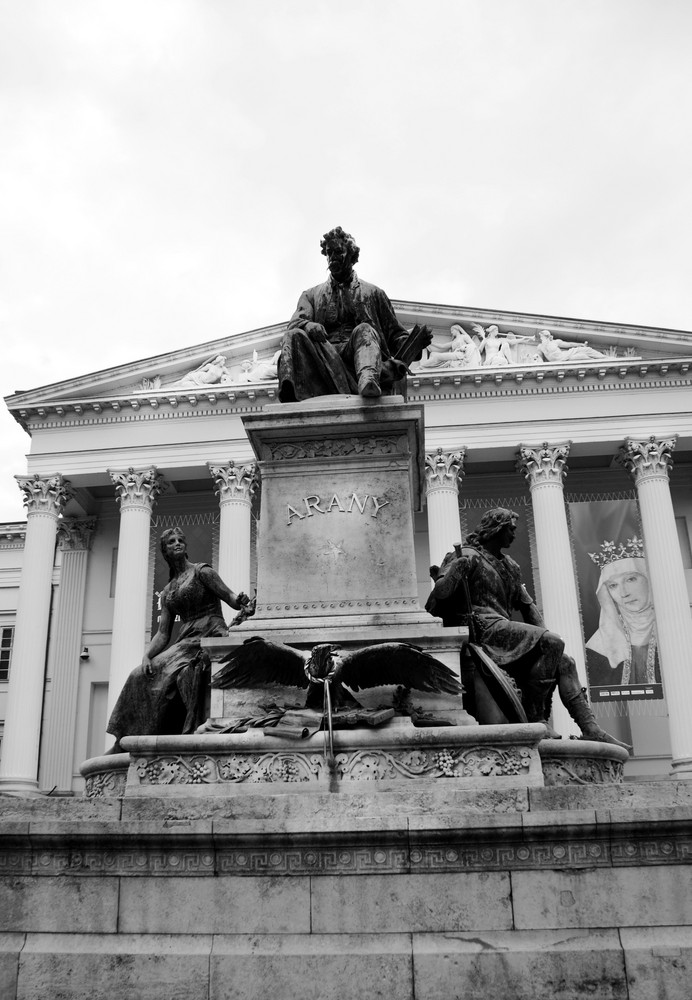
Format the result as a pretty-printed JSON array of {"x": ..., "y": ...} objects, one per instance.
[{"x": 617, "y": 609}]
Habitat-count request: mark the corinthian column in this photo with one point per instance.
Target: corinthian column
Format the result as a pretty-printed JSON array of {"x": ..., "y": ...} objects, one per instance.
[
  {"x": 443, "y": 473},
  {"x": 649, "y": 463},
  {"x": 44, "y": 498},
  {"x": 74, "y": 539},
  {"x": 136, "y": 491},
  {"x": 545, "y": 468},
  {"x": 235, "y": 486}
]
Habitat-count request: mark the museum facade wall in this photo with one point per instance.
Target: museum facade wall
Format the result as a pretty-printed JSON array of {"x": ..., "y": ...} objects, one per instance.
[{"x": 578, "y": 449}]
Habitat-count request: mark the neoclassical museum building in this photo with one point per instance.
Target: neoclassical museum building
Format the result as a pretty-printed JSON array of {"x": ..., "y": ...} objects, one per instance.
[{"x": 584, "y": 429}]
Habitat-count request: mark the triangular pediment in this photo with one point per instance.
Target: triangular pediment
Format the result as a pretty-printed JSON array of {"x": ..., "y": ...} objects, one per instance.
[
  {"x": 163, "y": 372},
  {"x": 247, "y": 356}
]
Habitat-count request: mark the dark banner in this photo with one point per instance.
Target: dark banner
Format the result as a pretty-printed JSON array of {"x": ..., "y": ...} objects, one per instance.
[{"x": 617, "y": 609}]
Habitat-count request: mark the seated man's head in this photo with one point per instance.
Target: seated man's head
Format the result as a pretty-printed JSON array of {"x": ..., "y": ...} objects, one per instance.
[{"x": 341, "y": 251}]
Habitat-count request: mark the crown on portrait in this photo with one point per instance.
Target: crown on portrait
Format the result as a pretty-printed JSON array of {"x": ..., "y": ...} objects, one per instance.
[{"x": 610, "y": 552}]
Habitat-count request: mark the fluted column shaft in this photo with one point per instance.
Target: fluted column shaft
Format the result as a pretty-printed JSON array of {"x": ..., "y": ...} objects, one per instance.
[
  {"x": 235, "y": 486},
  {"x": 649, "y": 463},
  {"x": 545, "y": 468},
  {"x": 74, "y": 538},
  {"x": 443, "y": 473},
  {"x": 137, "y": 492},
  {"x": 44, "y": 499}
]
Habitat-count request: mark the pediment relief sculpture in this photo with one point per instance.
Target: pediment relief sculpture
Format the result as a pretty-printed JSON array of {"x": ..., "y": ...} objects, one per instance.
[
  {"x": 489, "y": 348},
  {"x": 216, "y": 372}
]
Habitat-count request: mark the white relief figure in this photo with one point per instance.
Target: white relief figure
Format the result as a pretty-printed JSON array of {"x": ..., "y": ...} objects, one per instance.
[
  {"x": 554, "y": 349},
  {"x": 259, "y": 370},
  {"x": 495, "y": 349},
  {"x": 623, "y": 648},
  {"x": 462, "y": 353},
  {"x": 211, "y": 372}
]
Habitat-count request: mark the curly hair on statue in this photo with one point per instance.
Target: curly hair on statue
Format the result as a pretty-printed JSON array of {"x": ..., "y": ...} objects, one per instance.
[
  {"x": 492, "y": 522},
  {"x": 338, "y": 236}
]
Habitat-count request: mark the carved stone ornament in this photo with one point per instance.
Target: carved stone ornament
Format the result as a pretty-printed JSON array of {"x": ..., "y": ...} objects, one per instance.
[
  {"x": 47, "y": 495},
  {"x": 444, "y": 469},
  {"x": 546, "y": 464},
  {"x": 581, "y": 771},
  {"x": 76, "y": 533},
  {"x": 105, "y": 785},
  {"x": 336, "y": 447},
  {"x": 358, "y": 765},
  {"x": 138, "y": 487},
  {"x": 234, "y": 482},
  {"x": 651, "y": 459}
]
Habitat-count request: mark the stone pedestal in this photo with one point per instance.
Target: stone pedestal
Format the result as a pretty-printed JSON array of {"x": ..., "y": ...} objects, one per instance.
[{"x": 341, "y": 478}]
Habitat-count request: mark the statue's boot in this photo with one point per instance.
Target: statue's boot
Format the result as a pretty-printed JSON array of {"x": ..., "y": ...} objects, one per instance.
[
  {"x": 367, "y": 359},
  {"x": 580, "y": 710},
  {"x": 537, "y": 700},
  {"x": 547, "y": 709}
]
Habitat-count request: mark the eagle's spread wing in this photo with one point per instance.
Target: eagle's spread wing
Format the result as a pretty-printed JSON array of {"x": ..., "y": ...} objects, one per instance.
[
  {"x": 259, "y": 661},
  {"x": 397, "y": 663}
]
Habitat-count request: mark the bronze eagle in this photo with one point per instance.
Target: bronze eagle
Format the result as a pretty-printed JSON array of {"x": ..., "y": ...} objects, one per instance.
[{"x": 259, "y": 661}]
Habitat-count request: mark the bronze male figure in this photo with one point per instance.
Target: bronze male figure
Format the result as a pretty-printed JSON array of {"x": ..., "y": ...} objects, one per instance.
[
  {"x": 490, "y": 581},
  {"x": 344, "y": 336}
]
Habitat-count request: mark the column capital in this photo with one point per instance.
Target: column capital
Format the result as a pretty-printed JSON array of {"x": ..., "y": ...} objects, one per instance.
[
  {"x": 444, "y": 468},
  {"x": 544, "y": 464},
  {"x": 138, "y": 487},
  {"x": 75, "y": 533},
  {"x": 650, "y": 459},
  {"x": 234, "y": 482},
  {"x": 44, "y": 494}
]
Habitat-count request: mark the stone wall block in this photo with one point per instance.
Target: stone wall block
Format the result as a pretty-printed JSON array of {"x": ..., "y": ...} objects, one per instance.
[
  {"x": 379, "y": 904},
  {"x": 312, "y": 967},
  {"x": 626, "y": 897},
  {"x": 658, "y": 962},
  {"x": 10, "y": 949},
  {"x": 51, "y": 904},
  {"x": 527, "y": 965},
  {"x": 106, "y": 967},
  {"x": 224, "y": 905}
]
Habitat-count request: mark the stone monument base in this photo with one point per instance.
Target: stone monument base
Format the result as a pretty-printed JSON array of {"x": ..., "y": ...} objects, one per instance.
[
  {"x": 428, "y": 890},
  {"x": 394, "y": 756}
]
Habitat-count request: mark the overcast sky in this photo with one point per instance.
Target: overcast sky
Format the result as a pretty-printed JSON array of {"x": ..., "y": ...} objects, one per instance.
[{"x": 167, "y": 167}]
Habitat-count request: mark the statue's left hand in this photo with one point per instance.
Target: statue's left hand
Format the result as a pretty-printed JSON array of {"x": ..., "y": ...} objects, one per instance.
[{"x": 393, "y": 370}]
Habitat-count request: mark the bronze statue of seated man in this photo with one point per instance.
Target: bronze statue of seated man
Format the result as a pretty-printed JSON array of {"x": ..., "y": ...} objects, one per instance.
[
  {"x": 344, "y": 336},
  {"x": 480, "y": 586}
]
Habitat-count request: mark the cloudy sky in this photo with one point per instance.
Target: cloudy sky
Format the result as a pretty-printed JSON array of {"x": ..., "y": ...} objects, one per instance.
[{"x": 167, "y": 167}]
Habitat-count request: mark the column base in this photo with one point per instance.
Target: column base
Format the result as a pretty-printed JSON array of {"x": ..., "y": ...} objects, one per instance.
[
  {"x": 20, "y": 786},
  {"x": 682, "y": 768}
]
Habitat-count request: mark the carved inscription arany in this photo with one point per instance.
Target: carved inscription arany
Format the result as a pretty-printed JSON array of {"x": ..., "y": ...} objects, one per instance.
[{"x": 314, "y": 504}]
